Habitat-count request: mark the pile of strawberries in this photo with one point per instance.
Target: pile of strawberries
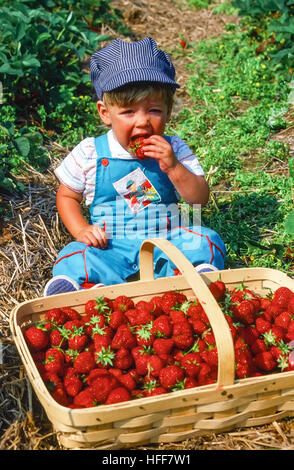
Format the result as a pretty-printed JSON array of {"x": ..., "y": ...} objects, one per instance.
[{"x": 117, "y": 350}]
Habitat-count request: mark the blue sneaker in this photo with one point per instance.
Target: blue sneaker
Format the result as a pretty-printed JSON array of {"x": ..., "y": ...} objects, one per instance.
[
  {"x": 60, "y": 285},
  {"x": 205, "y": 267}
]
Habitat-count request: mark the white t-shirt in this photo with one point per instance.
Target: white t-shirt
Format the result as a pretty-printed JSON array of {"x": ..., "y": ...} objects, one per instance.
[{"x": 78, "y": 170}]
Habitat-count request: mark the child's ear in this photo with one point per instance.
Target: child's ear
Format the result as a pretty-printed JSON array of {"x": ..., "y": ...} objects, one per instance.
[{"x": 103, "y": 113}]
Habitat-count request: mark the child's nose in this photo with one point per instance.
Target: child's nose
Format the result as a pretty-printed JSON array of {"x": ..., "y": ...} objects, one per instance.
[{"x": 143, "y": 120}]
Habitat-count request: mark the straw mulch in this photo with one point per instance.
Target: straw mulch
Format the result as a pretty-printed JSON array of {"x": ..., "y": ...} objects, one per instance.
[{"x": 32, "y": 237}]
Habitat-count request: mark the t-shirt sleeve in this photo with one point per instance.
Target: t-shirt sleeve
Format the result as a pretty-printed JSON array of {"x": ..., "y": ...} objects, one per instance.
[
  {"x": 185, "y": 155},
  {"x": 72, "y": 172}
]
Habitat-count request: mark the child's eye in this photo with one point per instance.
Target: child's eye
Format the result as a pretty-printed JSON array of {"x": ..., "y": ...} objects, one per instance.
[{"x": 155, "y": 110}]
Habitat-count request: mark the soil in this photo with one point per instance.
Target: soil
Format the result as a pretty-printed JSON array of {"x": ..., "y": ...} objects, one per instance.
[{"x": 31, "y": 240}]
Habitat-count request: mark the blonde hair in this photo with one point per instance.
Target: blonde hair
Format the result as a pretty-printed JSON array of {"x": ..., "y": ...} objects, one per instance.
[{"x": 132, "y": 94}]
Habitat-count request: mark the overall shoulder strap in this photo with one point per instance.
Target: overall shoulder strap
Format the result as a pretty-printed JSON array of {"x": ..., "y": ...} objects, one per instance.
[
  {"x": 167, "y": 138},
  {"x": 102, "y": 147}
]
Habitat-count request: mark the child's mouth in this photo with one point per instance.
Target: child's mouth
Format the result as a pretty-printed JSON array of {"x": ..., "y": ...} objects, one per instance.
[{"x": 138, "y": 136}]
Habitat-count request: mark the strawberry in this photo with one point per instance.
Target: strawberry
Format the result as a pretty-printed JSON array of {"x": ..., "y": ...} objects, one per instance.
[
  {"x": 144, "y": 335},
  {"x": 210, "y": 356},
  {"x": 144, "y": 305},
  {"x": 218, "y": 289},
  {"x": 273, "y": 336},
  {"x": 198, "y": 326},
  {"x": 243, "y": 368},
  {"x": 169, "y": 376},
  {"x": 135, "y": 147},
  {"x": 177, "y": 316},
  {"x": 123, "y": 359},
  {"x": 36, "y": 338},
  {"x": 191, "y": 363},
  {"x": 244, "y": 312},
  {"x": 250, "y": 334},
  {"x": 169, "y": 300},
  {"x": 139, "y": 316},
  {"x": 289, "y": 335},
  {"x": 59, "y": 395},
  {"x": 265, "y": 361},
  {"x": 123, "y": 338},
  {"x": 155, "y": 304},
  {"x": 123, "y": 303},
  {"x": 72, "y": 385},
  {"x": 51, "y": 380},
  {"x": 117, "y": 318},
  {"x": 128, "y": 379},
  {"x": 162, "y": 327},
  {"x": 183, "y": 43},
  {"x": 280, "y": 349},
  {"x": 71, "y": 313},
  {"x": 190, "y": 382},
  {"x": 258, "y": 346},
  {"x": 71, "y": 324},
  {"x": 118, "y": 395},
  {"x": 183, "y": 335},
  {"x": 101, "y": 388},
  {"x": 104, "y": 357},
  {"x": 100, "y": 305},
  {"x": 70, "y": 355},
  {"x": 54, "y": 361},
  {"x": 205, "y": 375},
  {"x": 58, "y": 338},
  {"x": 290, "y": 307},
  {"x": 84, "y": 362},
  {"x": 195, "y": 310},
  {"x": 208, "y": 337},
  {"x": 101, "y": 338},
  {"x": 262, "y": 325},
  {"x": 152, "y": 388},
  {"x": 265, "y": 302},
  {"x": 85, "y": 398},
  {"x": 56, "y": 316},
  {"x": 93, "y": 320},
  {"x": 282, "y": 296},
  {"x": 283, "y": 320},
  {"x": 163, "y": 346},
  {"x": 77, "y": 339}
]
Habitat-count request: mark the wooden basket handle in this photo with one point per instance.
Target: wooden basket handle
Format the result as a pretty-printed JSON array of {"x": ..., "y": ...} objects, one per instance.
[{"x": 220, "y": 327}]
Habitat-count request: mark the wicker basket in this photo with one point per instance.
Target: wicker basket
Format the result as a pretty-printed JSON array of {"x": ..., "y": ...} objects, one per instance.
[{"x": 178, "y": 415}]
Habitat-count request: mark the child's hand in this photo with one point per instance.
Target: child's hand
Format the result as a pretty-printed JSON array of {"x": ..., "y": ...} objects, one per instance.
[
  {"x": 93, "y": 235},
  {"x": 157, "y": 147}
]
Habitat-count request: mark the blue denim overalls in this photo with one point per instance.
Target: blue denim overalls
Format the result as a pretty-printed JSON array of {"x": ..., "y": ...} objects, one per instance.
[{"x": 134, "y": 200}]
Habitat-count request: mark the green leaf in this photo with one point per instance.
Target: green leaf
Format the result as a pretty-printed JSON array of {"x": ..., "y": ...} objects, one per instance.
[
  {"x": 43, "y": 37},
  {"x": 31, "y": 62},
  {"x": 6, "y": 68},
  {"x": 20, "y": 31},
  {"x": 291, "y": 168},
  {"x": 289, "y": 225},
  {"x": 23, "y": 145}
]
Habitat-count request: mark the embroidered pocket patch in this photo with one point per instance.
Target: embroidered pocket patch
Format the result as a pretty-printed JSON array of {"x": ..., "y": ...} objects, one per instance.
[{"x": 137, "y": 190}]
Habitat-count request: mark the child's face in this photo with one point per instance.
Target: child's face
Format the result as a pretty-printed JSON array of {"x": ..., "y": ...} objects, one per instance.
[{"x": 145, "y": 118}]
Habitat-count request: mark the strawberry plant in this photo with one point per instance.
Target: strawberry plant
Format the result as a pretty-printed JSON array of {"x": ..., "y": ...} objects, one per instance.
[
  {"x": 278, "y": 17},
  {"x": 43, "y": 50},
  {"x": 240, "y": 100}
]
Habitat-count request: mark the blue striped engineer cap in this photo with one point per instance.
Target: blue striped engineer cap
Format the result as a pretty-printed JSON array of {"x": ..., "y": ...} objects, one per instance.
[{"x": 120, "y": 63}]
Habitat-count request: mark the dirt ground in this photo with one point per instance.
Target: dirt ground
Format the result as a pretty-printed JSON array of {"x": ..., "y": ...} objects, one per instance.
[{"x": 30, "y": 241}]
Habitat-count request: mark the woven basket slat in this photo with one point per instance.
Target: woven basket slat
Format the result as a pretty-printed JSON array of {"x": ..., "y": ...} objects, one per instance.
[{"x": 145, "y": 420}]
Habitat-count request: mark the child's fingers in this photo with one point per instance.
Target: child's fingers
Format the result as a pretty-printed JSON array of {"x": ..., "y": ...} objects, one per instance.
[{"x": 100, "y": 236}]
